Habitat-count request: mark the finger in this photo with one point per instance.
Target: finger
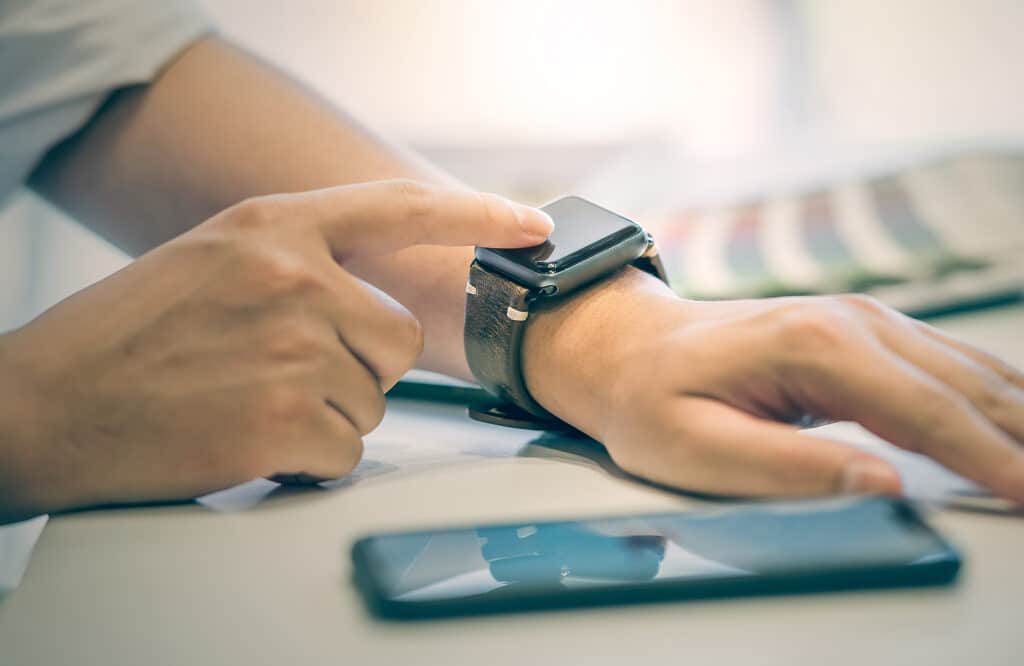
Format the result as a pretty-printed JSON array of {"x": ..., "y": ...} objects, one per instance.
[
  {"x": 879, "y": 313},
  {"x": 384, "y": 216},
  {"x": 1001, "y": 368},
  {"x": 998, "y": 400},
  {"x": 723, "y": 450},
  {"x": 908, "y": 407},
  {"x": 353, "y": 391},
  {"x": 329, "y": 449},
  {"x": 378, "y": 330}
]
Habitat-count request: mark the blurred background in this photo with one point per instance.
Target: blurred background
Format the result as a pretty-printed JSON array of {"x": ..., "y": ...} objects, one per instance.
[{"x": 651, "y": 107}]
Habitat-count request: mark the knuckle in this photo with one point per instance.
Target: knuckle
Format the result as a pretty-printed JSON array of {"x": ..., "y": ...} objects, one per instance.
[
  {"x": 809, "y": 338},
  {"x": 813, "y": 326},
  {"x": 862, "y": 303},
  {"x": 293, "y": 338},
  {"x": 282, "y": 273},
  {"x": 412, "y": 335},
  {"x": 253, "y": 213},
  {"x": 415, "y": 197},
  {"x": 285, "y": 404}
]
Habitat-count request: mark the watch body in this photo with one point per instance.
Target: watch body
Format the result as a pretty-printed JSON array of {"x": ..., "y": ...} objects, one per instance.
[{"x": 587, "y": 244}]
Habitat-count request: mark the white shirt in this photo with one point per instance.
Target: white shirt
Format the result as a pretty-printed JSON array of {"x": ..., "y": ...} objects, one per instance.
[{"x": 59, "y": 59}]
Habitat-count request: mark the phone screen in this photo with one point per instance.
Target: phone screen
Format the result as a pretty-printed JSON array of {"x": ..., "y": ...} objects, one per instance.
[{"x": 735, "y": 542}]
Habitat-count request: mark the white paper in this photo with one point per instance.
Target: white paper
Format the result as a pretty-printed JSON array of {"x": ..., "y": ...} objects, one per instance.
[{"x": 16, "y": 544}]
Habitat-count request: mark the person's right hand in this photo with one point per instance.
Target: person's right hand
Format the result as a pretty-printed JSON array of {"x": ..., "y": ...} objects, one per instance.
[{"x": 240, "y": 349}]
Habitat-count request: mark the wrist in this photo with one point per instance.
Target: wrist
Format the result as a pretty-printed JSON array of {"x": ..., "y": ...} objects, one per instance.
[{"x": 574, "y": 349}]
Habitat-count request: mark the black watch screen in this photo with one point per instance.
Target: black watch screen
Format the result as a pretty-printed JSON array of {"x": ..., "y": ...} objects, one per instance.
[{"x": 588, "y": 241}]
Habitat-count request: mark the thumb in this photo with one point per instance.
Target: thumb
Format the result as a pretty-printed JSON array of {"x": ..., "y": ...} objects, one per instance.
[{"x": 384, "y": 216}]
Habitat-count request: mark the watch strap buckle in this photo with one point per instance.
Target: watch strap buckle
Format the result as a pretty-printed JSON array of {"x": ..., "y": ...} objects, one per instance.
[{"x": 509, "y": 415}]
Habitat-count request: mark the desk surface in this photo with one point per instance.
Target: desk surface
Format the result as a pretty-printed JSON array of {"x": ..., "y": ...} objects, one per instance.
[{"x": 228, "y": 583}]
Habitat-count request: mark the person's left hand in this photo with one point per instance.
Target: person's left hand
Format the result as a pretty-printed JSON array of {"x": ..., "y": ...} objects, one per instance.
[{"x": 706, "y": 396}]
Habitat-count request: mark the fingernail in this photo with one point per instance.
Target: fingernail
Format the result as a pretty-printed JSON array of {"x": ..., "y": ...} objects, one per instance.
[
  {"x": 870, "y": 477},
  {"x": 533, "y": 220}
]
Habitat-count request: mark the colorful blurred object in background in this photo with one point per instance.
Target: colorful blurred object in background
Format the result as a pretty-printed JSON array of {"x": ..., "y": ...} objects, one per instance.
[
  {"x": 927, "y": 240},
  {"x": 776, "y": 146}
]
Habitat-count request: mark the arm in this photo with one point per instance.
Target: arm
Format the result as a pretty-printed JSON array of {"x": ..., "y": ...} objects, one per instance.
[{"x": 685, "y": 393}]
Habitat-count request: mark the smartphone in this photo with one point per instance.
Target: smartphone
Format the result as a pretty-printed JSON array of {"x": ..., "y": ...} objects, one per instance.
[{"x": 736, "y": 549}]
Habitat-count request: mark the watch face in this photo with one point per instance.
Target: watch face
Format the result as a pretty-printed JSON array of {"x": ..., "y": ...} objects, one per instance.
[{"x": 582, "y": 229}]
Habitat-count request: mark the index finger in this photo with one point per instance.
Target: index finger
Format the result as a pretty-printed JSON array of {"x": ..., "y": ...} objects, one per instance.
[{"x": 385, "y": 216}]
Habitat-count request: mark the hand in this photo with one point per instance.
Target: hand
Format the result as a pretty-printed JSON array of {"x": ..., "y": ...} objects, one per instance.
[
  {"x": 240, "y": 349},
  {"x": 703, "y": 395}
]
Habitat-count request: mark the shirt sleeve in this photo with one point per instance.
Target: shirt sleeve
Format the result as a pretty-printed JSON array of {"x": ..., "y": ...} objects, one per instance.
[{"x": 59, "y": 59}]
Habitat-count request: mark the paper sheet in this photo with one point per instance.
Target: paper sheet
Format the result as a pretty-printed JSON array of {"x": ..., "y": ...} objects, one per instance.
[{"x": 16, "y": 544}]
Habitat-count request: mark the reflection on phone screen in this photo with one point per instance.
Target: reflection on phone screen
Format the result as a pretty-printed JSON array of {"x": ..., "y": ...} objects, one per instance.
[{"x": 775, "y": 538}]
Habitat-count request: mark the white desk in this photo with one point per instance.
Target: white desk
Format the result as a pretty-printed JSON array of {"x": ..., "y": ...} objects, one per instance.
[{"x": 270, "y": 585}]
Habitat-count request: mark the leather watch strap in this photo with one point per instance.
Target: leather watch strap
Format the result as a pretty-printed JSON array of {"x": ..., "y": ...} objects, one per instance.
[{"x": 497, "y": 311}]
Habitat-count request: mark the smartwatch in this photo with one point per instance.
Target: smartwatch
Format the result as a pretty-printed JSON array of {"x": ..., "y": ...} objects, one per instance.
[{"x": 588, "y": 243}]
